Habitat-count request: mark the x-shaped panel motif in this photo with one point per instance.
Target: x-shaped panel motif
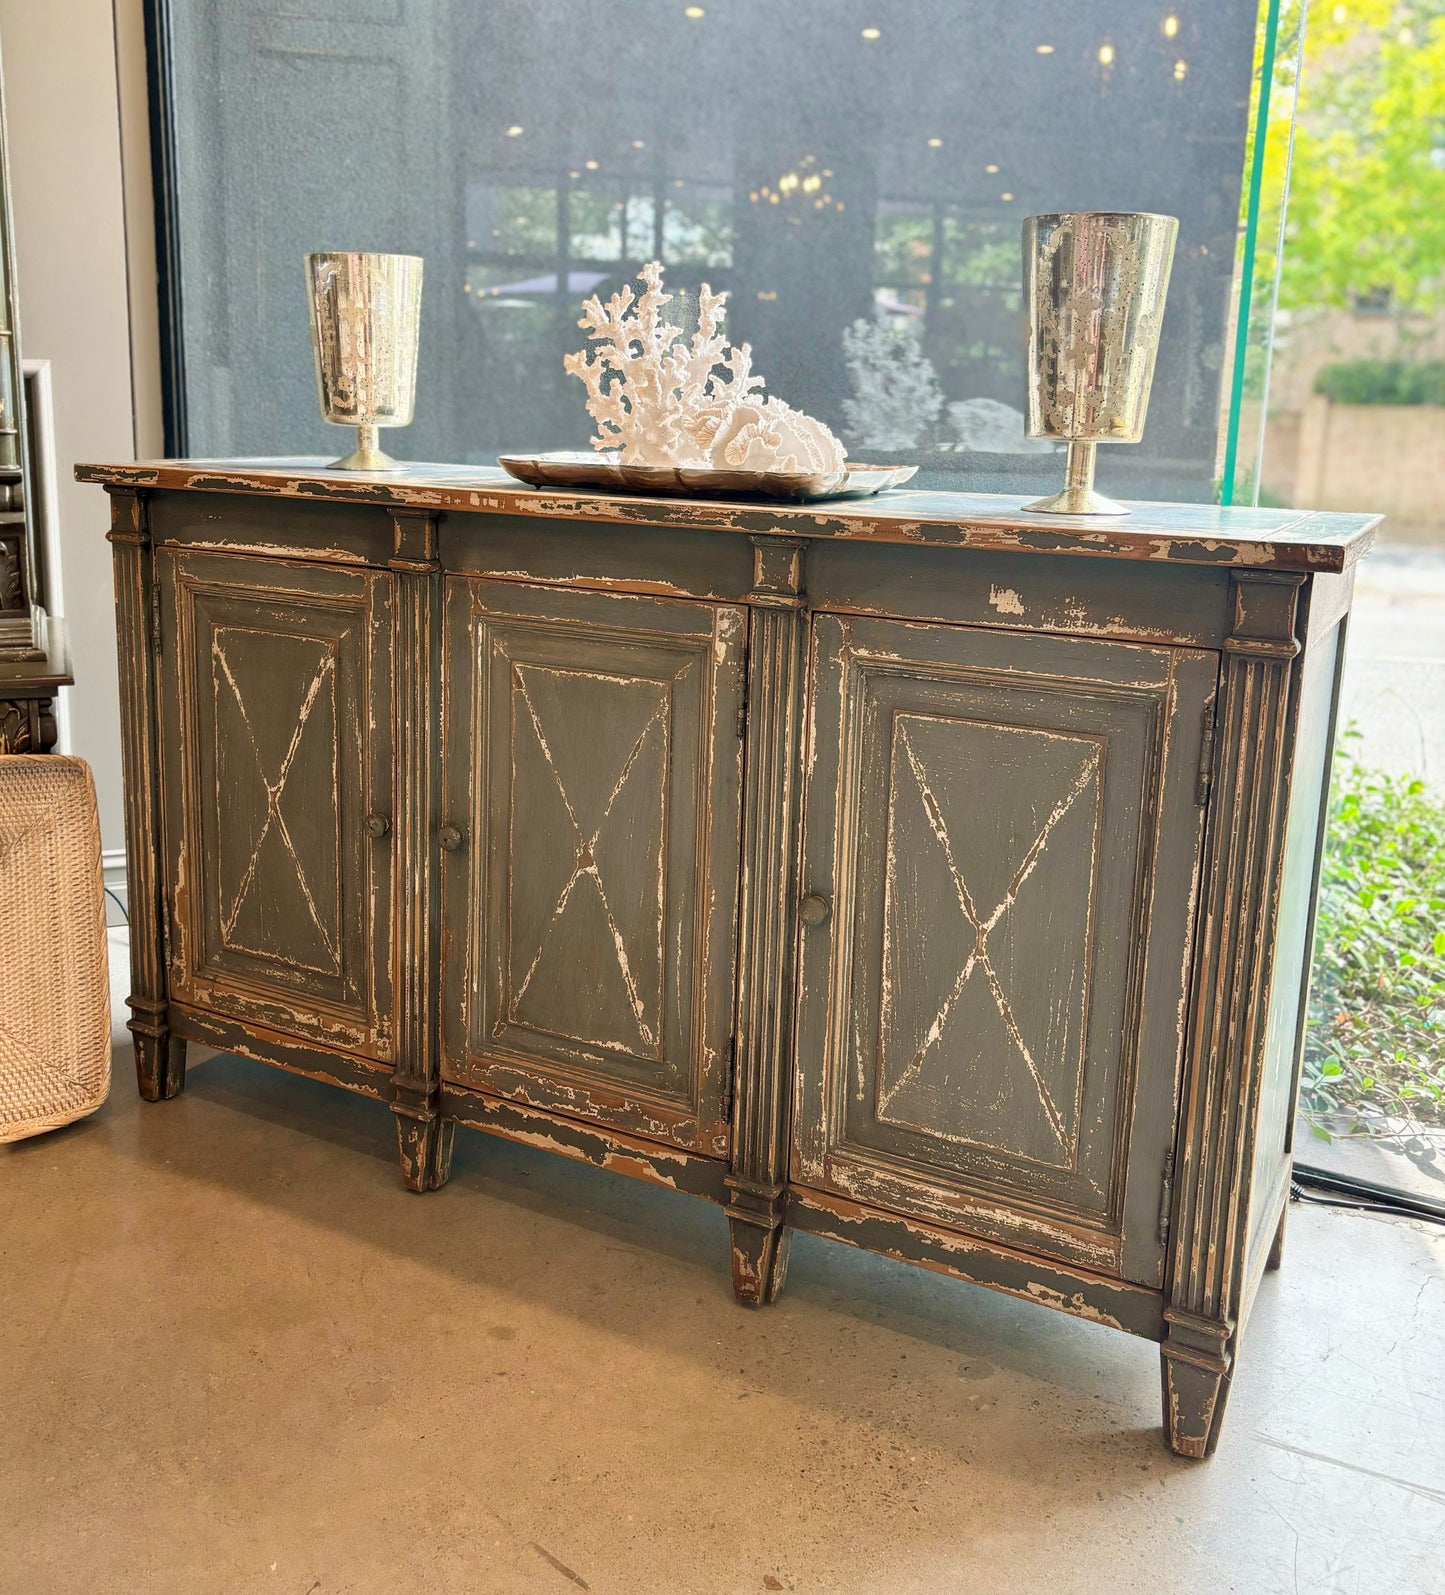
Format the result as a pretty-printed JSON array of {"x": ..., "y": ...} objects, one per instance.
[
  {"x": 982, "y": 926},
  {"x": 274, "y": 786},
  {"x": 584, "y": 866}
]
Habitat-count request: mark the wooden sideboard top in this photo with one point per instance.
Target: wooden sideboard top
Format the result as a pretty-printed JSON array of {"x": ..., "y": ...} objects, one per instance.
[{"x": 1194, "y": 534}]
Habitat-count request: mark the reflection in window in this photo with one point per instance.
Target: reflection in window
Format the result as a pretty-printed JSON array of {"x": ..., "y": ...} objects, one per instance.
[{"x": 853, "y": 174}]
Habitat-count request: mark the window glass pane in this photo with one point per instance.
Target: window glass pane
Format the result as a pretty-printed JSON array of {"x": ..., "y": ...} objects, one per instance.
[
  {"x": 854, "y": 173},
  {"x": 1356, "y": 420}
]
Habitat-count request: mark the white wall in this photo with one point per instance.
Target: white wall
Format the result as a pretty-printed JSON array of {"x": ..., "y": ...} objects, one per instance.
[{"x": 66, "y": 164}]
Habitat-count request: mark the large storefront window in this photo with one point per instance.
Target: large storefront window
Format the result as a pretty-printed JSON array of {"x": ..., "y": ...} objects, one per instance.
[
  {"x": 1357, "y": 420},
  {"x": 854, "y": 173}
]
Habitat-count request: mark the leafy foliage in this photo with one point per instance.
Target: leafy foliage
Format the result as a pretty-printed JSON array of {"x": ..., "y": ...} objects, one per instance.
[
  {"x": 1383, "y": 382},
  {"x": 1367, "y": 183},
  {"x": 1375, "y": 1047}
]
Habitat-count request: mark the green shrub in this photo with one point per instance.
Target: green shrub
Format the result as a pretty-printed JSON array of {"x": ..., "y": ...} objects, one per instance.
[
  {"x": 1375, "y": 1046},
  {"x": 1383, "y": 382}
]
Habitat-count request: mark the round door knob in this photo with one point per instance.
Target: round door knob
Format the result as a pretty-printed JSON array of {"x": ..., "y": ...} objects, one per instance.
[
  {"x": 450, "y": 838},
  {"x": 815, "y": 909},
  {"x": 377, "y": 825}
]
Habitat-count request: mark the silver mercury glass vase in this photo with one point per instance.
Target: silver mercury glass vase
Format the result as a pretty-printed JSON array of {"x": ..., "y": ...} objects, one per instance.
[
  {"x": 365, "y": 322},
  {"x": 1094, "y": 283}
]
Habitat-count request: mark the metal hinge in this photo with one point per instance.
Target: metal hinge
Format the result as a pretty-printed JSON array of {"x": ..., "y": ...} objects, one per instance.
[
  {"x": 1166, "y": 1197},
  {"x": 742, "y": 717},
  {"x": 730, "y": 1085},
  {"x": 156, "y": 619},
  {"x": 1206, "y": 755}
]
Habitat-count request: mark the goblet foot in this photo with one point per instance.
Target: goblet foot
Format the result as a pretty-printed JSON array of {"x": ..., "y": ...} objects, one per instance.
[
  {"x": 365, "y": 460},
  {"x": 366, "y": 456},
  {"x": 1078, "y": 501}
]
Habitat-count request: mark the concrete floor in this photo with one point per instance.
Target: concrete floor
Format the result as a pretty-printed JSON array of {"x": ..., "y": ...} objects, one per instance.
[{"x": 236, "y": 1356}]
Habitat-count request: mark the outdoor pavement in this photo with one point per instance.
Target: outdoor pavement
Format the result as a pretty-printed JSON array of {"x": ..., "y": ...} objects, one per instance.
[{"x": 1394, "y": 687}]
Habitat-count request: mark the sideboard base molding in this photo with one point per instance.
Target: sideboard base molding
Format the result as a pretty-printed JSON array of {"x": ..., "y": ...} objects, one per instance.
[
  {"x": 363, "y": 1075},
  {"x": 598, "y": 1145},
  {"x": 1132, "y": 1308}
]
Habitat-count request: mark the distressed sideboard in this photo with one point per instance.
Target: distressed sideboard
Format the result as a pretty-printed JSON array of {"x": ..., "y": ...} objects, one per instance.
[{"x": 908, "y": 871}]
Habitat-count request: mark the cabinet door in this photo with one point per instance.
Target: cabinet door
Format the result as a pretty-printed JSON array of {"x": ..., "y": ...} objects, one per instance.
[
  {"x": 990, "y": 1018},
  {"x": 276, "y": 733},
  {"x": 592, "y": 763}
]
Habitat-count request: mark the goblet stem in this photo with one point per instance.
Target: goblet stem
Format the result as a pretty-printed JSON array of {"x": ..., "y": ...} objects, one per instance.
[
  {"x": 1078, "y": 496},
  {"x": 366, "y": 456},
  {"x": 1079, "y": 469}
]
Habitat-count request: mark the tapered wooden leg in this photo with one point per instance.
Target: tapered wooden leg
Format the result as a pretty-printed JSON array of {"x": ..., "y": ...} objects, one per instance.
[
  {"x": 160, "y": 1057},
  {"x": 760, "y": 1259},
  {"x": 425, "y": 1144},
  {"x": 1196, "y": 1364},
  {"x": 423, "y": 1136},
  {"x": 1276, "y": 1249},
  {"x": 763, "y": 1059},
  {"x": 1252, "y": 782}
]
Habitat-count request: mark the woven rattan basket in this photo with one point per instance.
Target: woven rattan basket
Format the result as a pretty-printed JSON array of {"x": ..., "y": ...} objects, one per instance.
[{"x": 54, "y": 982}]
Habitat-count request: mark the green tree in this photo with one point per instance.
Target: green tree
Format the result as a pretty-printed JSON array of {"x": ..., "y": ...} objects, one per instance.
[{"x": 1367, "y": 183}]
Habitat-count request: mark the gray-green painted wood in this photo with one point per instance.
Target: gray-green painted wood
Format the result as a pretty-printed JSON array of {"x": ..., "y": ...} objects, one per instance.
[
  {"x": 592, "y": 765},
  {"x": 276, "y": 691},
  {"x": 543, "y": 814},
  {"x": 984, "y": 814}
]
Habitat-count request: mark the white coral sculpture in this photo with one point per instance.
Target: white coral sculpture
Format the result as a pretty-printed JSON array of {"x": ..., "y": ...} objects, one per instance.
[
  {"x": 771, "y": 436},
  {"x": 661, "y": 398}
]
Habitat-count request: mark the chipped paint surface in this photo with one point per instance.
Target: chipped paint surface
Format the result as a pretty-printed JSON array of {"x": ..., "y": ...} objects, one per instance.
[
  {"x": 1191, "y": 533},
  {"x": 1077, "y": 1304},
  {"x": 390, "y": 973},
  {"x": 1112, "y": 1303}
]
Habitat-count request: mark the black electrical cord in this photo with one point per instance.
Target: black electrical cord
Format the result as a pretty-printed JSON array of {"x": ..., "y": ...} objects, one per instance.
[{"x": 1319, "y": 1189}]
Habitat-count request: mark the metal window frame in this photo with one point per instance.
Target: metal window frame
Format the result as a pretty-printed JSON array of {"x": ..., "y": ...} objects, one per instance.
[{"x": 161, "y": 98}]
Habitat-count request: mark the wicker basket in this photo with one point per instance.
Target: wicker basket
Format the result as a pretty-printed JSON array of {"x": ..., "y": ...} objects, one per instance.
[{"x": 54, "y": 985}]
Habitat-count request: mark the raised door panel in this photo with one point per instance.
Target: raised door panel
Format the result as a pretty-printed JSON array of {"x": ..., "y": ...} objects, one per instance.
[
  {"x": 276, "y": 709},
  {"x": 990, "y": 1019},
  {"x": 593, "y": 763}
]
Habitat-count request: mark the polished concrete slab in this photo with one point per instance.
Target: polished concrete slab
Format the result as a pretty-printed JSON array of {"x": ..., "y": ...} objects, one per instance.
[{"x": 236, "y": 1356}]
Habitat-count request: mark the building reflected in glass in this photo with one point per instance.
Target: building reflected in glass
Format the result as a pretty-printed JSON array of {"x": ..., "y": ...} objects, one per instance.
[{"x": 854, "y": 174}]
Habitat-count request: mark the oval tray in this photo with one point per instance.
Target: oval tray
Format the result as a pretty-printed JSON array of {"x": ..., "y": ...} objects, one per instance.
[{"x": 701, "y": 481}]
